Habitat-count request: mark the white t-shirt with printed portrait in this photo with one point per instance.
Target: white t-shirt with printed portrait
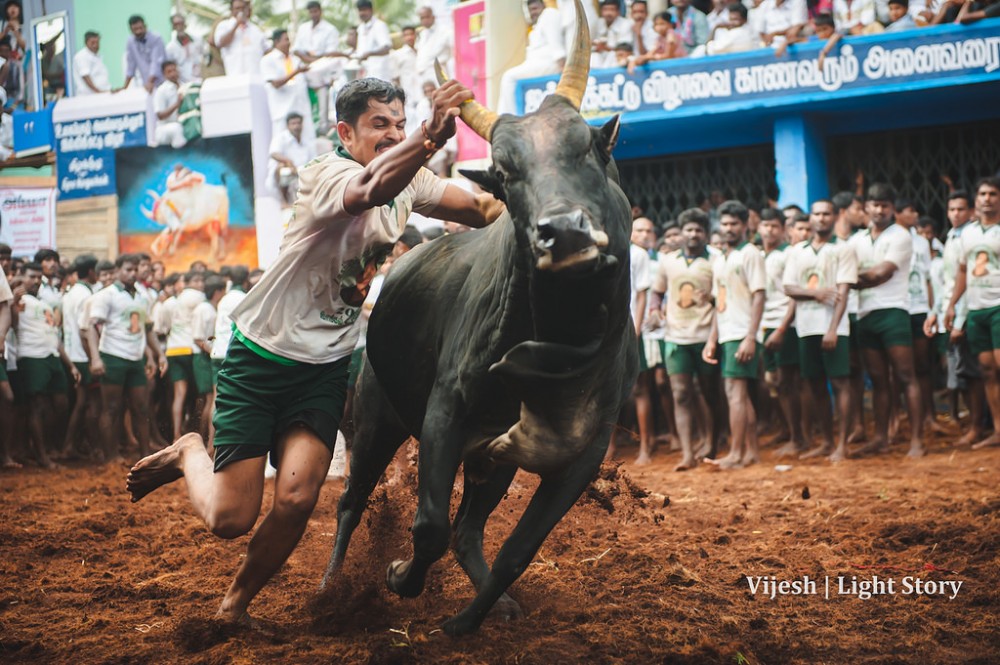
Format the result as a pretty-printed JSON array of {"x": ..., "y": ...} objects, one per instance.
[
  {"x": 686, "y": 283},
  {"x": 920, "y": 273},
  {"x": 741, "y": 273},
  {"x": 123, "y": 317},
  {"x": 37, "y": 334},
  {"x": 775, "y": 301},
  {"x": 980, "y": 247},
  {"x": 73, "y": 303},
  {"x": 832, "y": 264},
  {"x": 895, "y": 246}
]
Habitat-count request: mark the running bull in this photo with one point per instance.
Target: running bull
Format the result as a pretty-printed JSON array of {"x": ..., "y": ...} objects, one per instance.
[{"x": 503, "y": 348}]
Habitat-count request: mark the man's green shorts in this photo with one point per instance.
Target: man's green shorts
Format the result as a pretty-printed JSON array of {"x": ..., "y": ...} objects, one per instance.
[
  {"x": 917, "y": 326},
  {"x": 124, "y": 373},
  {"x": 216, "y": 366},
  {"x": 196, "y": 369},
  {"x": 43, "y": 376},
  {"x": 815, "y": 363},
  {"x": 685, "y": 359},
  {"x": 86, "y": 379},
  {"x": 884, "y": 328},
  {"x": 982, "y": 327},
  {"x": 731, "y": 369},
  {"x": 786, "y": 356},
  {"x": 259, "y": 399},
  {"x": 3, "y": 370}
]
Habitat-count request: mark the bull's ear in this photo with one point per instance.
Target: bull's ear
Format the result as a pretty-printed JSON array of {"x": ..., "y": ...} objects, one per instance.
[
  {"x": 488, "y": 180},
  {"x": 609, "y": 136}
]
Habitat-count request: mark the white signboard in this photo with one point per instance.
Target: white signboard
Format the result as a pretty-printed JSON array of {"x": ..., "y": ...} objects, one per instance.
[{"x": 28, "y": 218}]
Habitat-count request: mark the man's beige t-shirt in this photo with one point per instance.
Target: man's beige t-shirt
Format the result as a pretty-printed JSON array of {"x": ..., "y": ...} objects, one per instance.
[
  {"x": 687, "y": 283},
  {"x": 306, "y": 305}
]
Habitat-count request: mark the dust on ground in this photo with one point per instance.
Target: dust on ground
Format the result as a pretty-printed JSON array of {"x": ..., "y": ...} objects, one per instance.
[{"x": 650, "y": 566}]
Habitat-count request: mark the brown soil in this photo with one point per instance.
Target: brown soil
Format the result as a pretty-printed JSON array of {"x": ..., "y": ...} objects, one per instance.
[{"x": 648, "y": 568}]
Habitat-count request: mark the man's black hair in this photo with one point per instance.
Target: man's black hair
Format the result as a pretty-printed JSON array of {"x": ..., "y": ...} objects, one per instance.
[
  {"x": 294, "y": 115},
  {"x": 411, "y": 236},
  {"x": 312, "y": 4},
  {"x": 127, "y": 258},
  {"x": 212, "y": 285},
  {"x": 278, "y": 34},
  {"x": 694, "y": 216},
  {"x": 989, "y": 181},
  {"x": 962, "y": 194},
  {"x": 135, "y": 18},
  {"x": 771, "y": 214},
  {"x": 353, "y": 100},
  {"x": 31, "y": 265},
  {"x": 84, "y": 264},
  {"x": 928, "y": 221},
  {"x": 239, "y": 275},
  {"x": 167, "y": 63},
  {"x": 105, "y": 265},
  {"x": 902, "y": 203},
  {"x": 364, "y": 4},
  {"x": 881, "y": 191},
  {"x": 836, "y": 208},
  {"x": 90, "y": 33},
  {"x": 5, "y": 249},
  {"x": 46, "y": 254},
  {"x": 842, "y": 200},
  {"x": 736, "y": 209},
  {"x": 824, "y": 19}
]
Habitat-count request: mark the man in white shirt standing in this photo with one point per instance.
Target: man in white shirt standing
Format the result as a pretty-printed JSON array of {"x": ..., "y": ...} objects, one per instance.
[
  {"x": 316, "y": 44},
  {"x": 543, "y": 57},
  {"x": 185, "y": 50},
  {"x": 86, "y": 407},
  {"x": 287, "y": 90},
  {"x": 90, "y": 75},
  {"x": 166, "y": 101},
  {"x": 38, "y": 360},
  {"x": 612, "y": 29},
  {"x": 123, "y": 355},
  {"x": 403, "y": 69},
  {"x": 435, "y": 42},
  {"x": 241, "y": 42},
  {"x": 374, "y": 42},
  {"x": 184, "y": 370},
  {"x": 240, "y": 277},
  {"x": 884, "y": 253}
]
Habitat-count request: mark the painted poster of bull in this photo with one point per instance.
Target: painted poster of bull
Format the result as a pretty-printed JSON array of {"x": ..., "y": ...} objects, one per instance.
[
  {"x": 189, "y": 204},
  {"x": 503, "y": 348}
]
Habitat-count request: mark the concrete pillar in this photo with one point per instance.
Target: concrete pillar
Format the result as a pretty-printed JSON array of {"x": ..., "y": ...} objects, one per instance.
[{"x": 800, "y": 161}]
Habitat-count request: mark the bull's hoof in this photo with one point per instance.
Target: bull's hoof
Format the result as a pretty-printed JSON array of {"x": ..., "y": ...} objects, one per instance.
[
  {"x": 402, "y": 581},
  {"x": 463, "y": 623},
  {"x": 507, "y": 609}
]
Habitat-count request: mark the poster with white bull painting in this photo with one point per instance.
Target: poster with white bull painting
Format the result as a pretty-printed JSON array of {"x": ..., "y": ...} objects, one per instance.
[{"x": 191, "y": 204}]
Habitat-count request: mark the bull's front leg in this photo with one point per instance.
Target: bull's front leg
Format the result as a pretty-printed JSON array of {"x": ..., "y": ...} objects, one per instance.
[
  {"x": 440, "y": 455},
  {"x": 555, "y": 496}
]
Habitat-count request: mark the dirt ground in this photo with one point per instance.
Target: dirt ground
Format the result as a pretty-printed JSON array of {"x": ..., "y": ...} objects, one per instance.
[{"x": 649, "y": 567}]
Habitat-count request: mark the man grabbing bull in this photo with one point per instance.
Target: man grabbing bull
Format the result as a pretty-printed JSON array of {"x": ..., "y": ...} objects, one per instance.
[{"x": 282, "y": 386}]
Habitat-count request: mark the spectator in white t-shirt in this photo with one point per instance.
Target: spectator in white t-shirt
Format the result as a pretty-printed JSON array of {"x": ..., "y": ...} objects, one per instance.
[
  {"x": 852, "y": 17},
  {"x": 166, "y": 101},
  {"x": 782, "y": 21},
  {"x": 644, "y": 36},
  {"x": 403, "y": 67},
  {"x": 287, "y": 90},
  {"x": 241, "y": 42},
  {"x": 316, "y": 45},
  {"x": 543, "y": 57},
  {"x": 733, "y": 36},
  {"x": 435, "y": 42},
  {"x": 612, "y": 29},
  {"x": 185, "y": 50},
  {"x": 289, "y": 152},
  {"x": 90, "y": 75},
  {"x": 374, "y": 42}
]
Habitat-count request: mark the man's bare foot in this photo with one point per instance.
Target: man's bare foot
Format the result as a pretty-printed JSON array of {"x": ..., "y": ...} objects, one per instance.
[
  {"x": 992, "y": 440},
  {"x": 876, "y": 447},
  {"x": 819, "y": 451},
  {"x": 610, "y": 455},
  {"x": 932, "y": 425},
  {"x": 643, "y": 459},
  {"x": 160, "y": 468},
  {"x": 857, "y": 436},
  {"x": 9, "y": 463},
  {"x": 790, "y": 449},
  {"x": 970, "y": 437},
  {"x": 730, "y": 461},
  {"x": 750, "y": 458},
  {"x": 686, "y": 464},
  {"x": 782, "y": 436},
  {"x": 916, "y": 451},
  {"x": 838, "y": 455}
]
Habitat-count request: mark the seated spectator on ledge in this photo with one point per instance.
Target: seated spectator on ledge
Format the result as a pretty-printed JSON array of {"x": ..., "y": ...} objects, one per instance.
[
  {"x": 623, "y": 54},
  {"x": 734, "y": 36},
  {"x": 782, "y": 21},
  {"x": 691, "y": 24},
  {"x": 668, "y": 43},
  {"x": 853, "y": 17},
  {"x": 644, "y": 36},
  {"x": 612, "y": 30},
  {"x": 900, "y": 16},
  {"x": 166, "y": 103}
]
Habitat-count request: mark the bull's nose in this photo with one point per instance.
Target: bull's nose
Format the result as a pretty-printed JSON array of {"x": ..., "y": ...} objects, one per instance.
[{"x": 567, "y": 239}]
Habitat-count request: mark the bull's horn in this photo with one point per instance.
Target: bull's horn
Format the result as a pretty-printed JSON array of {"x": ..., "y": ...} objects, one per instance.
[
  {"x": 147, "y": 212},
  {"x": 155, "y": 195},
  {"x": 573, "y": 82},
  {"x": 478, "y": 117}
]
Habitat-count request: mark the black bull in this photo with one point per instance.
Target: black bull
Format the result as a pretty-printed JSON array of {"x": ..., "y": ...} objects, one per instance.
[{"x": 502, "y": 348}]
